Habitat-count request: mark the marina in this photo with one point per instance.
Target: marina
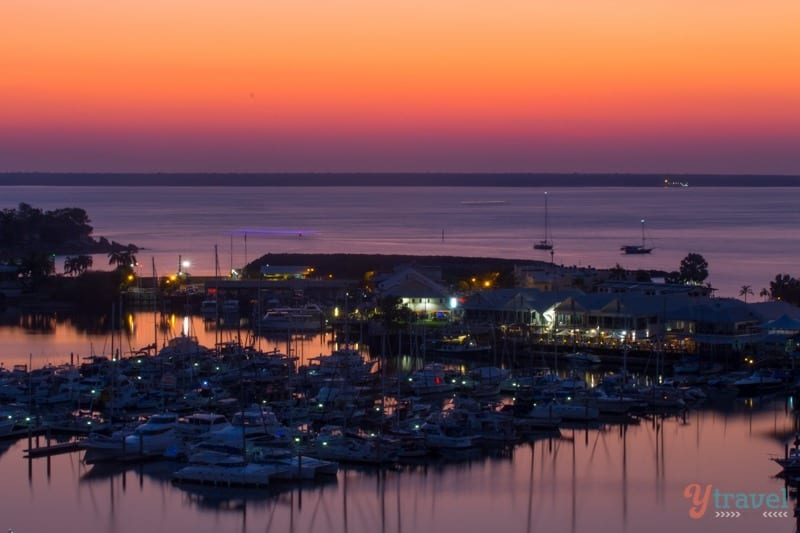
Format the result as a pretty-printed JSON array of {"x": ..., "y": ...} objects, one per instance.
[
  {"x": 533, "y": 454},
  {"x": 340, "y": 426}
]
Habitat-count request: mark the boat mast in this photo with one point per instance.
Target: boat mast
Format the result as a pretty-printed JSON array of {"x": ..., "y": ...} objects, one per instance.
[
  {"x": 643, "y": 234},
  {"x": 546, "y": 227}
]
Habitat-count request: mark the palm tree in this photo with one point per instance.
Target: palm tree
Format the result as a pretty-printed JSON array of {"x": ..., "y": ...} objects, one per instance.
[
  {"x": 75, "y": 266},
  {"x": 744, "y": 291},
  {"x": 764, "y": 293},
  {"x": 122, "y": 256}
]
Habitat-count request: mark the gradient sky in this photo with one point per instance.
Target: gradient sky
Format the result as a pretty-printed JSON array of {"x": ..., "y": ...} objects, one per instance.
[{"x": 705, "y": 86}]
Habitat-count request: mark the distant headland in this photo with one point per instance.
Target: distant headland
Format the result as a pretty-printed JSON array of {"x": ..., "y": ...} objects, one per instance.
[{"x": 438, "y": 179}]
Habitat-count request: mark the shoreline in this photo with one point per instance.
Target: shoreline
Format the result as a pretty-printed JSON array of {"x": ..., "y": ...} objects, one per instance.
[{"x": 389, "y": 179}]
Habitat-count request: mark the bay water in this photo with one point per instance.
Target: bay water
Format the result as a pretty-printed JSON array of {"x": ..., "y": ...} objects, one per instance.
[{"x": 615, "y": 477}]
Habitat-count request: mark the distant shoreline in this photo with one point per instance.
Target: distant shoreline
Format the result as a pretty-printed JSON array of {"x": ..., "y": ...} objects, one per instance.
[{"x": 434, "y": 179}]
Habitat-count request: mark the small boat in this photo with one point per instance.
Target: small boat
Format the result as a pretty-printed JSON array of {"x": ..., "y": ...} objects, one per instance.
[
  {"x": 790, "y": 463},
  {"x": 460, "y": 346},
  {"x": 437, "y": 439},
  {"x": 332, "y": 443},
  {"x": 219, "y": 468},
  {"x": 583, "y": 358},
  {"x": 258, "y": 423},
  {"x": 200, "y": 424},
  {"x": 636, "y": 249},
  {"x": 538, "y": 418},
  {"x": 759, "y": 382},
  {"x": 230, "y": 307},
  {"x": 672, "y": 183},
  {"x": 582, "y": 412},
  {"x": 208, "y": 308},
  {"x": 431, "y": 379},
  {"x": 150, "y": 439},
  {"x": 295, "y": 466},
  {"x": 298, "y": 319},
  {"x": 547, "y": 242}
]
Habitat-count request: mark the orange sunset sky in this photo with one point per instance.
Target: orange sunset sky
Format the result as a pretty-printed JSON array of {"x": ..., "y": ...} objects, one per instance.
[{"x": 704, "y": 86}]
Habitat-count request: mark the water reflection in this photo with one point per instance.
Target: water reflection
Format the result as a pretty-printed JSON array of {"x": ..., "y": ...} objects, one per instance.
[
  {"x": 55, "y": 338},
  {"x": 613, "y": 477}
]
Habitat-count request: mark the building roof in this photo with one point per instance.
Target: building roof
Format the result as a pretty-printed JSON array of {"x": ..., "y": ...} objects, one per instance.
[
  {"x": 783, "y": 323},
  {"x": 410, "y": 283},
  {"x": 717, "y": 310},
  {"x": 775, "y": 309},
  {"x": 518, "y": 299}
]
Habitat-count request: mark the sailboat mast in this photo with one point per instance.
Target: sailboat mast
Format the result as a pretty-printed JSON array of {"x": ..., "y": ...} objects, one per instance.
[
  {"x": 545, "y": 217},
  {"x": 642, "y": 233},
  {"x": 546, "y": 243}
]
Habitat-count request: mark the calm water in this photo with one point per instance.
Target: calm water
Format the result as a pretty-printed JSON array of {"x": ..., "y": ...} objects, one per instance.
[
  {"x": 615, "y": 478},
  {"x": 747, "y": 235}
]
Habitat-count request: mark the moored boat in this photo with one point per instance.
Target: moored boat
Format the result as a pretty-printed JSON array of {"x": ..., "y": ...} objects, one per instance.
[
  {"x": 297, "y": 319},
  {"x": 637, "y": 249},
  {"x": 151, "y": 439},
  {"x": 583, "y": 358},
  {"x": 217, "y": 468}
]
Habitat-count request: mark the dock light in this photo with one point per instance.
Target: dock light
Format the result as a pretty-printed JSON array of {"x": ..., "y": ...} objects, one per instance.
[
  {"x": 185, "y": 263},
  {"x": 453, "y": 302}
]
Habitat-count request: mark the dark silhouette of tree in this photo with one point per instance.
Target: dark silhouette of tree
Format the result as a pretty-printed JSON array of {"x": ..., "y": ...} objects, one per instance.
[
  {"x": 75, "y": 266},
  {"x": 34, "y": 268},
  {"x": 744, "y": 291},
  {"x": 29, "y": 227},
  {"x": 122, "y": 256},
  {"x": 394, "y": 315},
  {"x": 617, "y": 273},
  {"x": 693, "y": 269},
  {"x": 786, "y": 288},
  {"x": 764, "y": 293}
]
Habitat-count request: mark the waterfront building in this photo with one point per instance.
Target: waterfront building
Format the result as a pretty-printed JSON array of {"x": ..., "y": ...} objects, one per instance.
[{"x": 420, "y": 293}]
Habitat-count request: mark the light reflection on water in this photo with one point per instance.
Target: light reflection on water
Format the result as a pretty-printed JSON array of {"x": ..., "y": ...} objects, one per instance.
[
  {"x": 50, "y": 338},
  {"x": 612, "y": 478}
]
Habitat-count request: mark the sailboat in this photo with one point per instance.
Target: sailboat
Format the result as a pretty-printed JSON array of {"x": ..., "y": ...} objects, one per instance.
[
  {"x": 547, "y": 243},
  {"x": 637, "y": 248}
]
